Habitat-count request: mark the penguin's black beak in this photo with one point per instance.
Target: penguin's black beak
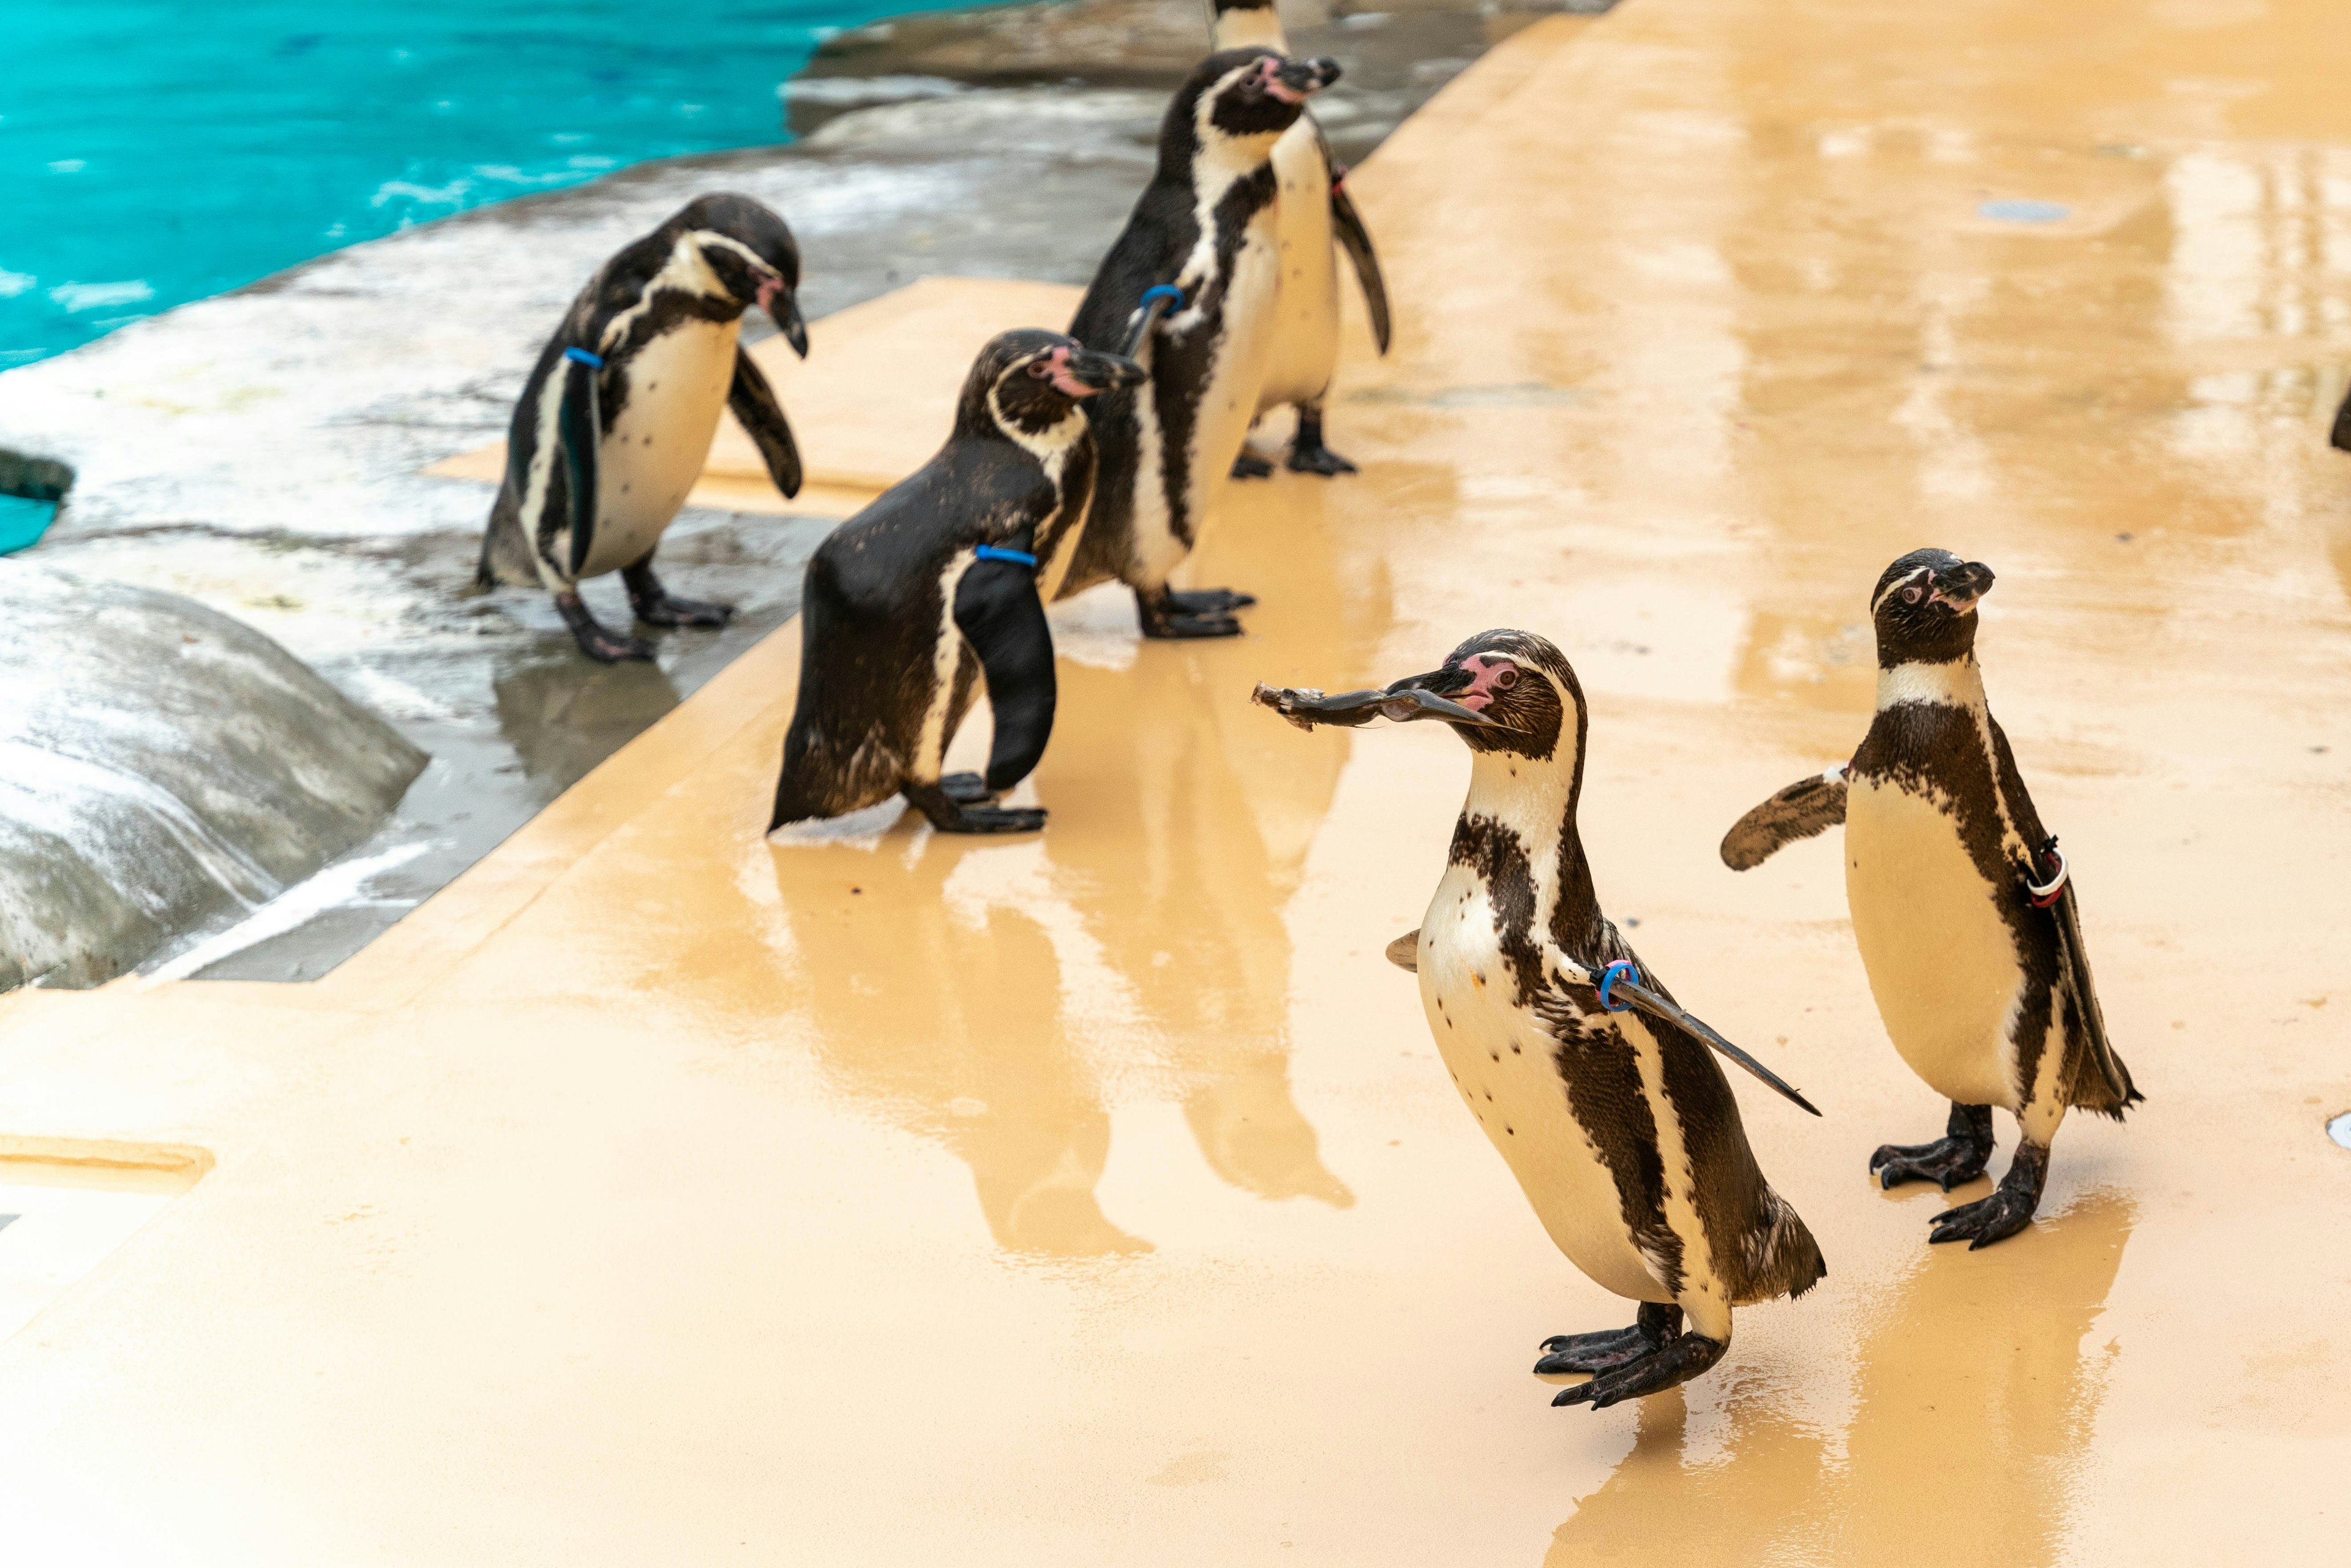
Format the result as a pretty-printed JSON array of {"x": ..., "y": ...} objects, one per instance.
[
  {"x": 1414, "y": 698},
  {"x": 1297, "y": 80},
  {"x": 1960, "y": 586},
  {"x": 782, "y": 304},
  {"x": 1101, "y": 372}
]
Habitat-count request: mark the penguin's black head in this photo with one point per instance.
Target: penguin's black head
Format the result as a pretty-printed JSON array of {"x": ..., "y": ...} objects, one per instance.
[
  {"x": 1506, "y": 694},
  {"x": 1238, "y": 95},
  {"x": 1028, "y": 381},
  {"x": 754, "y": 256},
  {"x": 1924, "y": 608}
]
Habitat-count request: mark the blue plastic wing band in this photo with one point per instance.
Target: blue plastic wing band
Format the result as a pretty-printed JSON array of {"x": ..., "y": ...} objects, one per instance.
[
  {"x": 1619, "y": 970},
  {"x": 593, "y": 361},
  {"x": 994, "y": 552},
  {"x": 1167, "y": 291}
]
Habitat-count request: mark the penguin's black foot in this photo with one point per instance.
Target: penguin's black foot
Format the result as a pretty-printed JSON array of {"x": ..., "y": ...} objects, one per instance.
[
  {"x": 1209, "y": 601},
  {"x": 952, "y": 816},
  {"x": 1611, "y": 1347},
  {"x": 654, "y": 606},
  {"x": 1164, "y": 615},
  {"x": 1679, "y": 1360},
  {"x": 1319, "y": 459},
  {"x": 1250, "y": 466},
  {"x": 1946, "y": 1162},
  {"x": 594, "y": 640},
  {"x": 2007, "y": 1211},
  {"x": 967, "y": 789},
  {"x": 1959, "y": 1155},
  {"x": 668, "y": 611}
]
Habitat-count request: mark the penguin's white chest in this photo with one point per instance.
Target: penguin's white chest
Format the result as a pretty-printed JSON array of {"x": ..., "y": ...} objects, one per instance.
[
  {"x": 654, "y": 452},
  {"x": 1305, "y": 347},
  {"x": 1503, "y": 1063},
  {"x": 1942, "y": 964}
]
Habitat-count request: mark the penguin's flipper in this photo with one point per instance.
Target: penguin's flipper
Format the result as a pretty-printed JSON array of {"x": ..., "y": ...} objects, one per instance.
[
  {"x": 2341, "y": 439},
  {"x": 998, "y": 612},
  {"x": 2100, "y": 1081},
  {"x": 1405, "y": 951},
  {"x": 1347, "y": 224},
  {"x": 753, "y": 403},
  {"x": 579, "y": 424},
  {"x": 1812, "y": 806}
]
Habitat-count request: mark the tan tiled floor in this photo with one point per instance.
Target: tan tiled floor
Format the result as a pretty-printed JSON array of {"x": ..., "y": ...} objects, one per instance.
[{"x": 659, "y": 1195}]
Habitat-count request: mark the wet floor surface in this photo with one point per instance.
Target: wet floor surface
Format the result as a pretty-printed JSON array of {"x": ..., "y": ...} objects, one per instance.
[{"x": 1100, "y": 1197}]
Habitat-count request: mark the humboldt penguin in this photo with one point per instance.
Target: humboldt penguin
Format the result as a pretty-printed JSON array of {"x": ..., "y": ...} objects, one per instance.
[
  {"x": 1204, "y": 232},
  {"x": 1313, "y": 215},
  {"x": 1965, "y": 911},
  {"x": 616, "y": 419},
  {"x": 1619, "y": 1125},
  {"x": 942, "y": 582}
]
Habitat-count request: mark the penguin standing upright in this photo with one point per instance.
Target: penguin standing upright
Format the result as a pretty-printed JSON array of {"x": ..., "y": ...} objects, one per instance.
[
  {"x": 1204, "y": 230},
  {"x": 938, "y": 582},
  {"x": 1963, "y": 907},
  {"x": 616, "y": 419},
  {"x": 1619, "y": 1126},
  {"x": 1314, "y": 215}
]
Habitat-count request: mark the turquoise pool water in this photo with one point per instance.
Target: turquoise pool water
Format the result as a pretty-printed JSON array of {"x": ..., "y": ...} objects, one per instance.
[{"x": 153, "y": 151}]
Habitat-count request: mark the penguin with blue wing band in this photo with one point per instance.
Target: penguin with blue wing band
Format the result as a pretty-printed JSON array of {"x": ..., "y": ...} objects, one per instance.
[
  {"x": 1205, "y": 228},
  {"x": 615, "y": 421},
  {"x": 1963, "y": 905},
  {"x": 1602, "y": 1095},
  {"x": 1314, "y": 219},
  {"x": 941, "y": 584}
]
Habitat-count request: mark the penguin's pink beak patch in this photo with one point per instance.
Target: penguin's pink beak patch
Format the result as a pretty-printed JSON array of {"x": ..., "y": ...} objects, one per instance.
[
  {"x": 1490, "y": 678},
  {"x": 1271, "y": 71},
  {"x": 1064, "y": 380},
  {"x": 768, "y": 288}
]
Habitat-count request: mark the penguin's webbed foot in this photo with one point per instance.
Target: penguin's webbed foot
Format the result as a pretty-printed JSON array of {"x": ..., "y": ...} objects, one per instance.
[
  {"x": 1250, "y": 466},
  {"x": 1319, "y": 459},
  {"x": 2007, "y": 1211},
  {"x": 654, "y": 607},
  {"x": 594, "y": 640},
  {"x": 1676, "y": 1361},
  {"x": 1164, "y": 615},
  {"x": 1209, "y": 601},
  {"x": 668, "y": 611},
  {"x": 1656, "y": 1326},
  {"x": 1959, "y": 1155},
  {"x": 949, "y": 815},
  {"x": 967, "y": 789},
  {"x": 1947, "y": 1162}
]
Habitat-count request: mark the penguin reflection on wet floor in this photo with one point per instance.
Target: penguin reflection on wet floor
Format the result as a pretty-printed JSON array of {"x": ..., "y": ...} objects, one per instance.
[
  {"x": 616, "y": 419},
  {"x": 1599, "y": 1091},
  {"x": 1202, "y": 241},
  {"x": 943, "y": 581},
  {"x": 1963, "y": 908}
]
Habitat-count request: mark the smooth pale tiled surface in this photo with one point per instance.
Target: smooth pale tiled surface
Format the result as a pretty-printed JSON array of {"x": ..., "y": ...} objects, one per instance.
[{"x": 656, "y": 1193}]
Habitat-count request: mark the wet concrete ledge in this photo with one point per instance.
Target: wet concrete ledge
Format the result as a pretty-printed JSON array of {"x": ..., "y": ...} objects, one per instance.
[{"x": 262, "y": 452}]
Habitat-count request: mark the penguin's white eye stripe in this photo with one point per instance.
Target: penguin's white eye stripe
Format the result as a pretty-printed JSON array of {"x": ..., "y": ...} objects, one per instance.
[{"x": 1896, "y": 587}]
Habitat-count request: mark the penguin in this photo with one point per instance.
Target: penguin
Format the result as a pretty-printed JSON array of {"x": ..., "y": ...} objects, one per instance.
[
  {"x": 1206, "y": 229},
  {"x": 1965, "y": 912},
  {"x": 943, "y": 581},
  {"x": 2339, "y": 438},
  {"x": 1314, "y": 215},
  {"x": 616, "y": 419},
  {"x": 1620, "y": 1127}
]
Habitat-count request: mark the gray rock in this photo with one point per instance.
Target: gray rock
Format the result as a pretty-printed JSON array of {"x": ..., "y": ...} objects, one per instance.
[{"x": 161, "y": 763}]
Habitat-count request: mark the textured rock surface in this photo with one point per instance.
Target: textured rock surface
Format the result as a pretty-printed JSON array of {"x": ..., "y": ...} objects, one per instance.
[{"x": 161, "y": 763}]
